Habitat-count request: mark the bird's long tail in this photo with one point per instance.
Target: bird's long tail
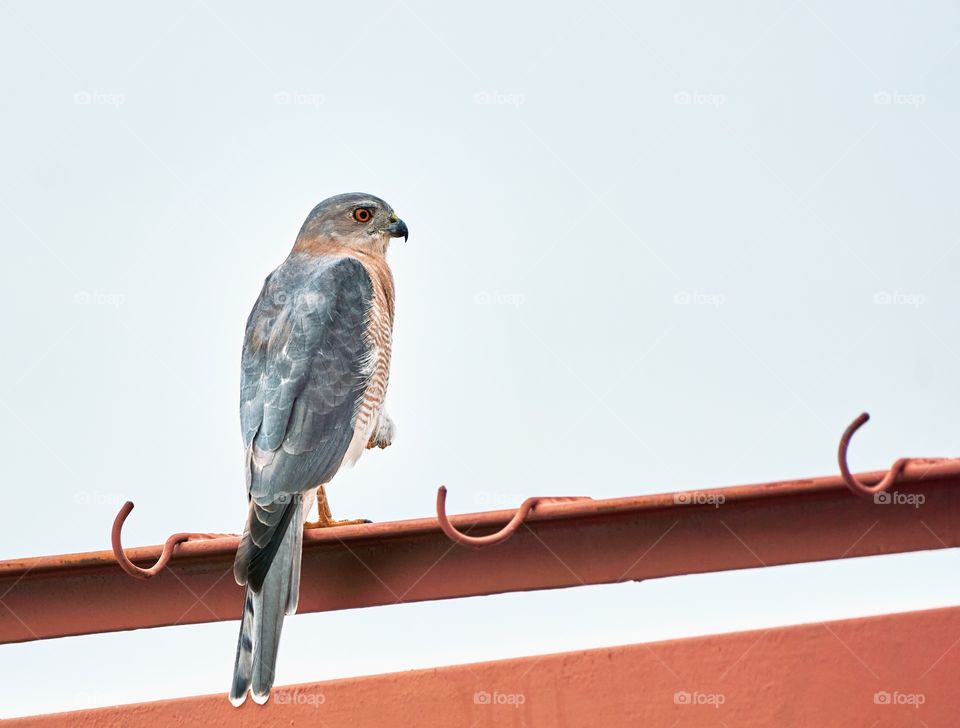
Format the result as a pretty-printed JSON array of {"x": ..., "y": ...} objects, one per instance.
[{"x": 272, "y": 575}]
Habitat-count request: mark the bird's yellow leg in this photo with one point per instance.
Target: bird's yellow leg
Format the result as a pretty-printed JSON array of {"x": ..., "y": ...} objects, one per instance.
[{"x": 325, "y": 519}]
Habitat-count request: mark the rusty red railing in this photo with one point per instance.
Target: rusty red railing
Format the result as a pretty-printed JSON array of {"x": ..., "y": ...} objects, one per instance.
[{"x": 560, "y": 543}]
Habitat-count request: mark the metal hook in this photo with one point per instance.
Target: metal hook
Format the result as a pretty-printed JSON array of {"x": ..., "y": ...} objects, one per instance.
[
  {"x": 504, "y": 533},
  {"x": 852, "y": 482},
  {"x": 125, "y": 563}
]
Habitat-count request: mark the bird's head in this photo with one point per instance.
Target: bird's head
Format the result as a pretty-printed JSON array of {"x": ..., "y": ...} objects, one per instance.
[{"x": 353, "y": 220}]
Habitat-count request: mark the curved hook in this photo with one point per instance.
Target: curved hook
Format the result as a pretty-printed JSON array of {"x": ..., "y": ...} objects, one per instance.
[
  {"x": 504, "y": 533},
  {"x": 125, "y": 563},
  {"x": 478, "y": 541},
  {"x": 852, "y": 482}
]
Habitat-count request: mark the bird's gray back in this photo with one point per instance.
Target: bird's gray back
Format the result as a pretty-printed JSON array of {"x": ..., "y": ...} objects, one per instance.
[{"x": 303, "y": 372}]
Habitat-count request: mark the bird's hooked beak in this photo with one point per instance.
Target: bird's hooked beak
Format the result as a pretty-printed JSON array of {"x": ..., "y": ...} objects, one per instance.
[{"x": 397, "y": 228}]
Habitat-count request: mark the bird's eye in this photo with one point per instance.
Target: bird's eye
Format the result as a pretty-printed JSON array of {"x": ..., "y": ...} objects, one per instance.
[{"x": 363, "y": 214}]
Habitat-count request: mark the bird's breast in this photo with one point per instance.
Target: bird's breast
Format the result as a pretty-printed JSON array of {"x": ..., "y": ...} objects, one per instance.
[{"x": 378, "y": 335}]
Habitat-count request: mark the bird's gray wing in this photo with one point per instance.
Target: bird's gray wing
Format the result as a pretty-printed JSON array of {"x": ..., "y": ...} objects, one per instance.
[
  {"x": 303, "y": 375},
  {"x": 305, "y": 359}
]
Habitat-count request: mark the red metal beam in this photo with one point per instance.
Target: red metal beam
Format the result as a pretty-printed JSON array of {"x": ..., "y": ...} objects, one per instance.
[
  {"x": 885, "y": 672},
  {"x": 561, "y": 545}
]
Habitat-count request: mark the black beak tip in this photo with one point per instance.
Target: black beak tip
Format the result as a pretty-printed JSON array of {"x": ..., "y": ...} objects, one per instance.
[{"x": 399, "y": 230}]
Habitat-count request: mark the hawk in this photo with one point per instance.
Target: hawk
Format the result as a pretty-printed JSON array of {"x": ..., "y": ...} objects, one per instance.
[{"x": 314, "y": 371}]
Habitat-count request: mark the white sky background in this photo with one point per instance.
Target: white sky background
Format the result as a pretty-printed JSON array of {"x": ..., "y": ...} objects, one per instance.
[{"x": 158, "y": 161}]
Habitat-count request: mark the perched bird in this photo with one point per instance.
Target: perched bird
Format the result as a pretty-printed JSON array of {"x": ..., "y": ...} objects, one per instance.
[{"x": 315, "y": 365}]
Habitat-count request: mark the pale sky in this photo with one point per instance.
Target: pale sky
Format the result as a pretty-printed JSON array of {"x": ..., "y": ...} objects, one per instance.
[{"x": 653, "y": 246}]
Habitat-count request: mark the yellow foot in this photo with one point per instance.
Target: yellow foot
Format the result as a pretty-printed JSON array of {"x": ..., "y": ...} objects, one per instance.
[
  {"x": 325, "y": 519},
  {"x": 332, "y": 523}
]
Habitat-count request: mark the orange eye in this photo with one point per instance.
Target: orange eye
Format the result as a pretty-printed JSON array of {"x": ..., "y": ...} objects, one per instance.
[{"x": 362, "y": 214}]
